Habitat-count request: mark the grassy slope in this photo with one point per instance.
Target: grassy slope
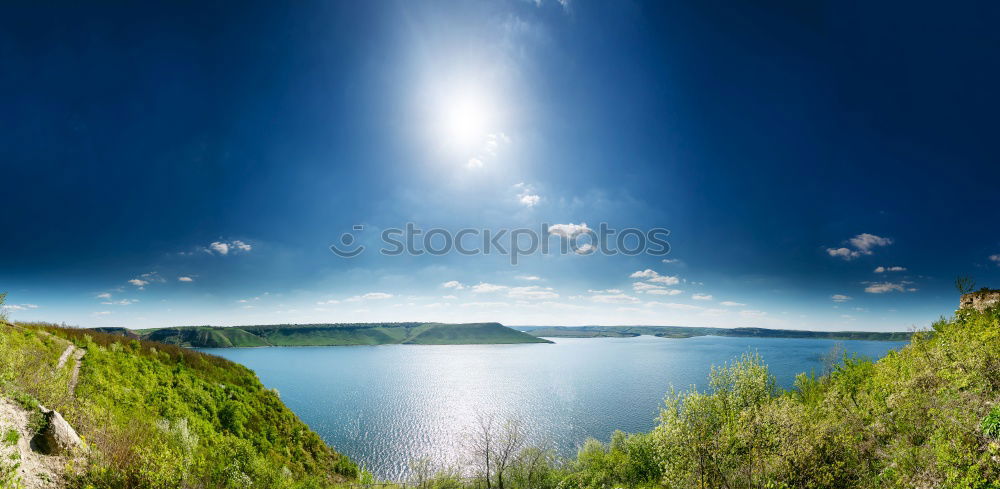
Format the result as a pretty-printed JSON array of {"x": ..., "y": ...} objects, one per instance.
[
  {"x": 161, "y": 416},
  {"x": 925, "y": 416},
  {"x": 458, "y": 334},
  {"x": 688, "y": 332},
  {"x": 339, "y": 334}
]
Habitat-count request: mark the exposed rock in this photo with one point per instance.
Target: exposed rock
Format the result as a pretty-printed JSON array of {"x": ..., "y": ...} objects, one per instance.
[
  {"x": 58, "y": 437},
  {"x": 34, "y": 470},
  {"x": 980, "y": 300}
]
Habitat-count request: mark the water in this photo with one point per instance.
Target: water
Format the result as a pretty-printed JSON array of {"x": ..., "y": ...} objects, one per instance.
[{"x": 386, "y": 405}]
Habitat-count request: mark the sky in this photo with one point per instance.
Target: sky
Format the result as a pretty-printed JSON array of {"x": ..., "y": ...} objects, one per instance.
[{"x": 818, "y": 165}]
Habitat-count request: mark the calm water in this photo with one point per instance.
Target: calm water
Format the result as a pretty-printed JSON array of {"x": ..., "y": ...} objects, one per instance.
[{"x": 385, "y": 405}]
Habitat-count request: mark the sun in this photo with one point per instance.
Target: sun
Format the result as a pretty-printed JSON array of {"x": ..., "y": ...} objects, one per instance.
[{"x": 466, "y": 116}]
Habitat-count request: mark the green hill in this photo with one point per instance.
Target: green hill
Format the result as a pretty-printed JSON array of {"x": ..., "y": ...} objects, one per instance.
[
  {"x": 159, "y": 416},
  {"x": 691, "y": 331},
  {"x": 337, "y": 335}
]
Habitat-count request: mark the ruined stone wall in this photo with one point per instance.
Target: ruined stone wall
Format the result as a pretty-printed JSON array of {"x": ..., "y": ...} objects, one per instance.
[{"x": 980, "y": 299}]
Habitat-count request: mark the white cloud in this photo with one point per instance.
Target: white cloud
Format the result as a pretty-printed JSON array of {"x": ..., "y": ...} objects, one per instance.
[
  {"x": 143, "y": 280},
  {"x": 104, "y": 295},
  {"x": 605, "y": 291},
  {"x": 526, "y": 194},
  {"x": 840, "y": 298},
  {"x": 529, "y": 200},
  {"x": 643, "y": 286},
  {"x": 219, "y": 247},
  {"x": 752, "y": 313},
  {"x": 185, "y": 279},
  {"x": 665, "y": 292},
  {"x": 585, "y": 249},
  {"x": 647, "y": 273},
  {"x": 533, "y": 292},
  {"x": 701, "y": 297},
  {"x": 485, "y": 304},
  {"x": 529, "y": 278},
  {"x": 569, "y": 230},
  {"x": 614, "y": 299},
  {"x": 224, "y": 248},
  {"x": 565, "y": 4},
  {"x": 489, "y": 150},
  {"x": 493, "y": 143},
  {"x": 731, "y": 304},
  {"x": 153, "y": 277},
  {"x": 453, "y": 284},
  {"x": 655, "y": 277},
  {"x": 666, "y": 280},
  {"x": 674, "y": 305},
  {"x": 670, "y": 260},
  {"x": 995, "y": 259},
  {"x": 102, "y": 313},
  {"x": 843, "y": 253},
  {"x": 449, "y": 297},
  {"x": 369, "y": 296},
  {"x": 883, "y": 287},
  {"x": 123, "y": 302},
  {"x": 889, "y": 269},
  {"x": 862, "y": 243},
  {"x": 484, "y": 287}
]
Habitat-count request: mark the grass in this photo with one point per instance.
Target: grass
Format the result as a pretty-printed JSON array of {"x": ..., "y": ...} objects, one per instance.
[{"x": 10, "y": 437}]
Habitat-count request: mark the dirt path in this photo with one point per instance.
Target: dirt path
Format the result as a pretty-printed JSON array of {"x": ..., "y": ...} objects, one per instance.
[
  {"x": 78, "y": 358},
  {"x": 77, "y": 355},
  {"x": 65, "y": 356}
]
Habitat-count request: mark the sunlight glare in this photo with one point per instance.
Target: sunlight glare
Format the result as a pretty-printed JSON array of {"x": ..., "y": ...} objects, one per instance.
[{"x": 465, "y": 119}]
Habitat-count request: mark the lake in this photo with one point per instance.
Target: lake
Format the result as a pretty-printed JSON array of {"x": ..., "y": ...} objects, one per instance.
[{"x": 386, "y": 405}]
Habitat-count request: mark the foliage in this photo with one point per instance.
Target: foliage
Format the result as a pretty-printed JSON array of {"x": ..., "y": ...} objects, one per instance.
[{"x": 160, "y": 416}]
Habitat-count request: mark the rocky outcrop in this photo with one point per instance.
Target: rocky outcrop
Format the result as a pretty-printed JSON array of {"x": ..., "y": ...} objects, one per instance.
[
  {"x": 58, "y": 437},
  {"x": 980, "y": 300},
  {"x": 34, "y": 470}
]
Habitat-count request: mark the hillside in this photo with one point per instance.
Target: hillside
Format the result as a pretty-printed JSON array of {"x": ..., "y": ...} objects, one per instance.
[
  {"x": 925, "y": 416},
  {"x": 690, "y": 332},
  {"x": 158, "y": 416},
  {"x": 336, "y": 335}
]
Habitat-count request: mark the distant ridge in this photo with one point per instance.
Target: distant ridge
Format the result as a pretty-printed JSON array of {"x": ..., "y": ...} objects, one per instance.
[
  {"x": 691, "y": 331},
  {"x": 414, "y": 333}
]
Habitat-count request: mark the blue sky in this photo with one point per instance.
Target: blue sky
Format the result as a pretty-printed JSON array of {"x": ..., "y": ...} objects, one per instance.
[{"x": 819, "y": 166}]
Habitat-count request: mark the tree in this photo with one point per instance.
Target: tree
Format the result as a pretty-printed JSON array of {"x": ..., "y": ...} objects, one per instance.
[
  {"x": 512, "y": 438},
  {"x": 495, "y": 448},
  {"x": 421, "y": 473},
  {"x": 965, "y": 284},
  {"x": 832, "y": 358},
  {"x": 481, "y": 448}
]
